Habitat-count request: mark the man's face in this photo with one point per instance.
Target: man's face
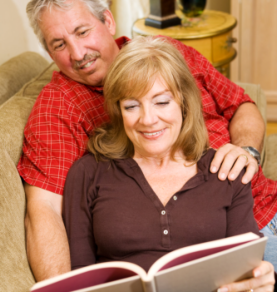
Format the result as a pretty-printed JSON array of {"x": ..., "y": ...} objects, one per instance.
[{"x": 81, "y": 45}]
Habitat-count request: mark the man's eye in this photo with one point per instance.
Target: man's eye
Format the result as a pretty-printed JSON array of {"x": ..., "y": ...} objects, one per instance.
[
  {"x": 84, "y": 33},
  {"x": 58, "y": 47}
]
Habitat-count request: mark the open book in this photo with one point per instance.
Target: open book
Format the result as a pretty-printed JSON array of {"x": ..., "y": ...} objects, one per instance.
[{"x": 201, "y": 267}]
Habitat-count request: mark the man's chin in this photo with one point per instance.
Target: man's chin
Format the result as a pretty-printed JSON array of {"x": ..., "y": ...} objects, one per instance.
[
  {"x": 89, "y": 78},
  {"x": 92, "y": 82}
]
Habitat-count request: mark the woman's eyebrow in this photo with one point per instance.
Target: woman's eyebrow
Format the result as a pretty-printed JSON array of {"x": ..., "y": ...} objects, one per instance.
[{"x": 161, "y": 92}]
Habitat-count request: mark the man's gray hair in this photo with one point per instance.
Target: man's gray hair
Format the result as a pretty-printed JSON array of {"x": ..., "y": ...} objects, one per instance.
[{"x": 36, "y": 7}]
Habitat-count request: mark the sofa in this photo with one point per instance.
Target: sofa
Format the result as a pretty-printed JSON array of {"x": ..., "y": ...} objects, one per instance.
[{"x": 21, "y": 80}]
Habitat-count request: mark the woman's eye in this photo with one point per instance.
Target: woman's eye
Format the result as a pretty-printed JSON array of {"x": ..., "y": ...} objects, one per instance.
[
  {"x": 163, "y": 103},
  {"x": 129, "y": 107}
]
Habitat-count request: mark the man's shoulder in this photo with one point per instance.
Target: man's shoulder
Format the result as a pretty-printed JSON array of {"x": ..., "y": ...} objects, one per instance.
[
  {"x": 190, "y": 54},
  {"x": 62, "y": 89},
  {"x": 61, "y": 83}
]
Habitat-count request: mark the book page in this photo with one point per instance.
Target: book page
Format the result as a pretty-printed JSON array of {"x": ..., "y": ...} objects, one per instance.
[
  {"x": 89, "y": 276},
  {"x": 132, "y": 284},
  {"x": 193, "y": 252},
  {"x": 209, "y": 273}
]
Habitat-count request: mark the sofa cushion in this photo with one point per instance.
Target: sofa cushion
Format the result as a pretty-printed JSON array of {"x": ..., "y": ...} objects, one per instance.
[
  {"x": 15, "y": 112},
  {"x": 15, "y": 275},
  {"x": 15, "y": 272},
  {"x": 18, "y": 71}
]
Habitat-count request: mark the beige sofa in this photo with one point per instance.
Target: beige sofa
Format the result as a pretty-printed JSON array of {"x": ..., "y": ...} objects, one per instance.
[{"x": 31, "y": 72}]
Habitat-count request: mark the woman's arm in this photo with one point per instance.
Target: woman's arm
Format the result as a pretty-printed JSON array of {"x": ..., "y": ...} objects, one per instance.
[
  {"x": 240, "y": 219},
  {"x": 76, "y": 213}
]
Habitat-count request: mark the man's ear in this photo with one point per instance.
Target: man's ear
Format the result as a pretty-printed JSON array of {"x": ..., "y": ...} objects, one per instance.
[{"x": 109, "y": 22}]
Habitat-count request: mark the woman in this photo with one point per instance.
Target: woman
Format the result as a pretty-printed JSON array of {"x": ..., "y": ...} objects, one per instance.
[{"x": 147, "y": 189}]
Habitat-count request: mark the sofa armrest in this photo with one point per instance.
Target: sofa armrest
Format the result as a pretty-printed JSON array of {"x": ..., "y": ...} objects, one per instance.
[
  {"x": 15, "y": 275},
  {"x": 270, "y": 161},
  {"x": 17, "y": 71}
]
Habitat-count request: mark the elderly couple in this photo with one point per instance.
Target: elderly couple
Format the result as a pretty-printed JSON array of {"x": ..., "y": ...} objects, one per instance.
[{"x": 150, "y": 160}]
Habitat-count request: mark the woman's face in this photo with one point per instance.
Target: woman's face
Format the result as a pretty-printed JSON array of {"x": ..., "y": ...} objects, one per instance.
[{"x": 153, "y": 122}]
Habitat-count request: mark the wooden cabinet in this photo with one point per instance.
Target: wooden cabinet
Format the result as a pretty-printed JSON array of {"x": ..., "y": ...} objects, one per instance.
[
  {"x": 211, "y": 36},
  {"x": 257, "y": 47}
]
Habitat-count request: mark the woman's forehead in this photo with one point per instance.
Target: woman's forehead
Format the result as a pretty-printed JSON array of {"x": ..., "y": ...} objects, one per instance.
[{"x": 137, "y": 91}]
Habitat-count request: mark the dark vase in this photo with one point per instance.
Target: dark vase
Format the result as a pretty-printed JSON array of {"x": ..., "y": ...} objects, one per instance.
[{"x": 192, "y": 8}]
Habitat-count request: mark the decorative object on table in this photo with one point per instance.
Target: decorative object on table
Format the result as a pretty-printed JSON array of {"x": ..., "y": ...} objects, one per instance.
[
  {"x": 162, "y": 14},
  {"x": 191, "y": 8},
  {"x": 210, "y": 34}
]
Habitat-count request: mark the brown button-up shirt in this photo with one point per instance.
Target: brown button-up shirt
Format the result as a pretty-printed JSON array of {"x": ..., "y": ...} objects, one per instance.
[{"x": 112, "y": 214}]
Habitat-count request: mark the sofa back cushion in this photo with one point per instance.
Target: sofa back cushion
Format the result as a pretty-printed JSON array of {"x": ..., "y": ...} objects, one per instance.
[
  {"x": 14, "y": 113},
  {"x": 18, "y": 71}
]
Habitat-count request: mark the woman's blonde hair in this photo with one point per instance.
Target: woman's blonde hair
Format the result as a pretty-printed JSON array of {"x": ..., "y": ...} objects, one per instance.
[{"x": 132, "y": 75}]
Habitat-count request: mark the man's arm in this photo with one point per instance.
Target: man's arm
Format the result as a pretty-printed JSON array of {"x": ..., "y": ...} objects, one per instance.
[
  {"x": 246, "y": 128},
  {"x": 47, "y": 245}
]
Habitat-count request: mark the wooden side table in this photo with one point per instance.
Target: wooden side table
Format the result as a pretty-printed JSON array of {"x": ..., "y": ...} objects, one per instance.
[{"x": 210, "y": 35}]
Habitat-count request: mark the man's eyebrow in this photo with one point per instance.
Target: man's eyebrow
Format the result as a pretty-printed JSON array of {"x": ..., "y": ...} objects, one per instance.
[
  {"x": 54, "y": 41},
  {"x": 80, "y": 26},
  {"x": 74, "y": 31}
]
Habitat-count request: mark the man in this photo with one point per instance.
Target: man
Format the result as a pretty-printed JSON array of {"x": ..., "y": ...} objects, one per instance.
[{"x": 78, "y": 35}]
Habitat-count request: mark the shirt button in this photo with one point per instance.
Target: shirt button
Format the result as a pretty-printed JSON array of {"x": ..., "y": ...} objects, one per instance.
[
  {"x": 163, "y": 212},
  {"x": 165, "y": 232},
  {"x": 175, "y": 198}
]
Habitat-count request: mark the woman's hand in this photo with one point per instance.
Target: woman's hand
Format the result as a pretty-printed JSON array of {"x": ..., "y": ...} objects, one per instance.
[{"x": 263, "y": 281}]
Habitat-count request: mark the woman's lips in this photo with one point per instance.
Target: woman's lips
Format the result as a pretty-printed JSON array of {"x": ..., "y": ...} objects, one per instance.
[{"x": 153, "y": 135}]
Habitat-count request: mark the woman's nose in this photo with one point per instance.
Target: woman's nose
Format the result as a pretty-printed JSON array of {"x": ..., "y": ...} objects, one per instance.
[{"x": 148, "y": 116}]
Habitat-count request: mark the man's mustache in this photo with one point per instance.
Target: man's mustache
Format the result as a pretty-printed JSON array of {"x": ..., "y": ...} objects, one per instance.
[{"x": 78, "y": 64}]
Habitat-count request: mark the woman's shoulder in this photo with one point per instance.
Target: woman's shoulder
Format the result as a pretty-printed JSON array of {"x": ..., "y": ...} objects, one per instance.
[
  {"x": 207, "y": 157},
  {"x": 205, "y": 163},
  {"x": 87, "y": 164}
]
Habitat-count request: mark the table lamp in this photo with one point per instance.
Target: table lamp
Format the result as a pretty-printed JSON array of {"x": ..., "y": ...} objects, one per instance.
[{"x": 162, "y": 14}]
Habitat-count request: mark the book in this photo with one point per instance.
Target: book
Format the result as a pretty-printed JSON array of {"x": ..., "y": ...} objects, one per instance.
[{"x": 200, "y": 267}]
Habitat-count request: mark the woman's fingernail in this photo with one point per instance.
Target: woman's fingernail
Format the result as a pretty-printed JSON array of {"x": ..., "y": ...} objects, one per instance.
[
  {"x": 232, "y": 176},
  {"x": 224, "y": 289},
  {"x": 257, "y": 274},
  {"x": 223, "y": 176}
]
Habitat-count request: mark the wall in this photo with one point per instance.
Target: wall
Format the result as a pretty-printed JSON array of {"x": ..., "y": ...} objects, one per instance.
[
  {"x": 257, "y": 48},
  {"x": 16, "y": 36}
]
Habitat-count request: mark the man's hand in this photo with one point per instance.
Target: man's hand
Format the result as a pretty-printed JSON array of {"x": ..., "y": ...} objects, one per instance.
[
  {"x": 47, "y": 245},
  {"x": 230, "y": 160}
]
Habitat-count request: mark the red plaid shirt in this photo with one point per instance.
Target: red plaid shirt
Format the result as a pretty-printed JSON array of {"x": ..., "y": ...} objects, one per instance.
[{"x": 66, "y": 112}]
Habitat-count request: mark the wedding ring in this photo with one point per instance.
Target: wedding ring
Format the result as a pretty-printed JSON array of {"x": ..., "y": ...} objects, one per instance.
[{"x": 246, "y": 163}]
